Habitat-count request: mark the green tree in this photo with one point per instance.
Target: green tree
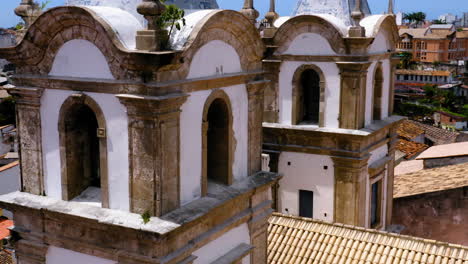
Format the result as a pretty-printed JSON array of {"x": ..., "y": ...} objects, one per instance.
[
  {"x": 438, "y": 22},
  {"x": 415, "y": 18},
  {"x": 405, "y": 60},
  {"x": 172, "y": 18}
]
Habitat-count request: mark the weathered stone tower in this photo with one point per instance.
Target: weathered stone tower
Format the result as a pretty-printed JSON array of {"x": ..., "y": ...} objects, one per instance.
[
  {"x": 328, "y": 125},
  {"x": 137, "y": 150}
]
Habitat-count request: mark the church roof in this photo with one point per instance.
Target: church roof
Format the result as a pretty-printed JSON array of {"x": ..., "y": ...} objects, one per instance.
[
  {"x": 303, "y": 240},
  {"x": 338, "y": 8}
]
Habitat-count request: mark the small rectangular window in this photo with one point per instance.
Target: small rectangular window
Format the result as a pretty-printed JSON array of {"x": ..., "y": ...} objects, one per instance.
[
  {"x": 376, "y": 204},
  {"x": 306, "y": 203}
]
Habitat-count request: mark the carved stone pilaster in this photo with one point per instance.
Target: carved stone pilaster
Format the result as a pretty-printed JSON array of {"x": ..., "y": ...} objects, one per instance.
[
  {"x": 392, "y": 143},
  {"x": 353, "y": 94},
  {"x": 270, "y": 112},
  {"x": 391, "y": 98},
  {"x": 28, "y": 116},
  {"x": 255, "y": 91},
  {"x": 350, "y": 190},
  {"x": 154, "y": 138},
  {"x": 260, "y": 204},
  {"x": 30, "y": 252}
]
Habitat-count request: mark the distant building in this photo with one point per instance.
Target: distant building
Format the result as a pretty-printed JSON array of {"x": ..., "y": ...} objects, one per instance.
[
  {"x": 414, "y": 79},
  {"x": 465, "y": 19},
  {"x": 450, "y": 121},
  {"x": 437, "y": 43},
  {"x": 444, "y": 155},
  {"x": 448, "y": 18}
]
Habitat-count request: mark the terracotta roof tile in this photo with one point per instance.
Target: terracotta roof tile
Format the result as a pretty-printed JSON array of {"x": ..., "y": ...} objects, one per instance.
[
  {"x": 431, "y": 180},
  {"x": 409, "y": 130},
  {"x": 437, "y": 135},
  {"x": 4, "y": 231},
  {"x": 410, "y": 148},
  {"x": 297, "y": 240},
  {"x": 5, "y": 257},
  {"x": 419, "y": 72}
]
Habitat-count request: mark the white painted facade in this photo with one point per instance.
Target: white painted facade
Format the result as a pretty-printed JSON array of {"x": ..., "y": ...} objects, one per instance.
[
  {"x": 307, "y": 172},
  {"x": 301, "y": 45},
  {"x": 81, "y": 59},
  {"x": 215, "y": 55},
  {"x": 228, "y": 241},
  {"x": 117, "y": 145},
  {"x": 57, "y": 255},
  {"x": 332, "y": 91}
]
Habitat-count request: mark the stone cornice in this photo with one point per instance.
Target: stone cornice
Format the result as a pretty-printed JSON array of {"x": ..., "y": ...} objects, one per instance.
[
  {"x": 328, "y": 58},
  {"x": 26, "y": 95},
  {"x": 152, "y": 105}
]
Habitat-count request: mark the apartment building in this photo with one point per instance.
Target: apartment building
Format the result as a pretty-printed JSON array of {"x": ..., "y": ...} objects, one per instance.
[{"x": 437, "y": 43}]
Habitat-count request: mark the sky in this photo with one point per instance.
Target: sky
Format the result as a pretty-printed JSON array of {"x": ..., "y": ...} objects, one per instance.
[{"x": 433, "y": 8}]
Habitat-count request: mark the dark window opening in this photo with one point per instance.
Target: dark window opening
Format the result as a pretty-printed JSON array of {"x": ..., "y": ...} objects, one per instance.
[
  {"x": 82, "y": 150},
  {"x": 306, "y": 203},
  {"x": 218, "y": 142},
  {"x": 310, "y": 91},
  {"x": 377, "y": 100},
  {"x": 376, "y": 207}
]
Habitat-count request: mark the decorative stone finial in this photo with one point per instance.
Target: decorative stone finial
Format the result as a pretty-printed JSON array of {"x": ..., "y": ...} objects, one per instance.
[
  {"x": 390, "y": 7},
  {"x": 28, "y": 11},
  {"x": 249, "y": 11},
  {"x": 153, "y": 37},
  {"x": 271, "y": 16},
  {"x": 357, "y": 30}
]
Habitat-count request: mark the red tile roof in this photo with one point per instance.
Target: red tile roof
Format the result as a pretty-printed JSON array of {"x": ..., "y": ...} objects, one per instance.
[
  {"x": 410, "y": 148},
  {"x": 4, "y": 225},
  {"x": 408, "y": 130},
  {"x": 5, "y": 257},
  {"x": 437, "y": 135}
]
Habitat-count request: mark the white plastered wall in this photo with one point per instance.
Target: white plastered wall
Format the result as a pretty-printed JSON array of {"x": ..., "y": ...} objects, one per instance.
[
  {"x": 309, "y": 44},
  {"x": 376, "y": 155},
  {"x": 214, "y": 56},
  {"x": 301, "y": 45},
  {"x": 117, "y": 144},
  {"x": 307, "y": 172},
  {"x": 228, "y": 241},
  {"x": 80, "y": 59},
  {"x": 332, "y": 91},
  {"x": 57, "y": 255},
  {"x": 370, "y": 90}
]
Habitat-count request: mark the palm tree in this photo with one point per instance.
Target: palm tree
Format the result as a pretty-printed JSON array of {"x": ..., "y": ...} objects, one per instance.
[{"x": 415, "y": 18}]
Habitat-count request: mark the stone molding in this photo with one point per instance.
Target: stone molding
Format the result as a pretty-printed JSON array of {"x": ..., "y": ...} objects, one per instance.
[
  {"x": 255, "y": 91},
  {"x": 154, "y": 139},
  {"x": 296, "y": 90},
  {"x": 216, "y": 94},
  {"x": 308, "y": 24},
  {"x": 68, "y": 104},
  {"x": 350, "y": 190},
  {"x": 28, "y": 116},
  {"x": 377, "y": 94},
  {"x": 331, "y": 58},
  {"x": 195, "y": 225},
  {"x": 353, "y": 94},
  {"x": 391, "y": 99}
]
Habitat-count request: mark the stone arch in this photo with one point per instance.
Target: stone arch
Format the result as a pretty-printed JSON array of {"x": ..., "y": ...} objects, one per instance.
[
  {"x": 297, "y": 94},
  {"x": 59, "y": 25},
  {"x": 377, "y": 93},
  {"x": 308, "y": 24},
  {"x": 232, "y": 28},
  {"x": 388, "y": 25},
  {"x": 217, "y": 110},
  {"x": 72, "y": 181}
]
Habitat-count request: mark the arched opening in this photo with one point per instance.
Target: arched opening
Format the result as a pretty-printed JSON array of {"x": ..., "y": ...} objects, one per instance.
[
  {"x": 83, "y": 152},
  {"x": 377, "y": 94},
  {"x": 308, "y": 96},
  {"x": 217, "y": 141}
]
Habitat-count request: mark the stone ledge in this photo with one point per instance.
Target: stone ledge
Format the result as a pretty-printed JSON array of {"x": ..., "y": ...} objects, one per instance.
[
  {"x": 368, "y": 130},
  {"x": 160, "y": 225},
  {"x": 235, "y": 255}
]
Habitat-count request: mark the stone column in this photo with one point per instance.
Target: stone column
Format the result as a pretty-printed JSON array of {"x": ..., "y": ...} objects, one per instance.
[
  {"x": 255, "y": 93},
  {"x": 353, "y": 94},
  {"x": 154, "y": 138},
  {"x": 391, "y": 97},
  {"x": 350, "y": 190},
  {"x": 260, "y": 204},
  {"x": 28, "y": 119},
  {"x": 391, "y": 173},
  {"x": 270, "y": 112}
]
